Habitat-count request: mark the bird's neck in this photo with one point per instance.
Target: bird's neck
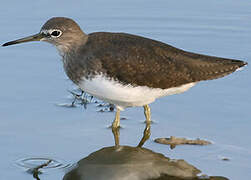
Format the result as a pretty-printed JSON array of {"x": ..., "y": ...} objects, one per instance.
[{"x": 71, "y": 46}]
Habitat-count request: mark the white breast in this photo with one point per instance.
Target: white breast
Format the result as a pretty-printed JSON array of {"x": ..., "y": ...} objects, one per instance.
[{"x": 126, "y": 95}]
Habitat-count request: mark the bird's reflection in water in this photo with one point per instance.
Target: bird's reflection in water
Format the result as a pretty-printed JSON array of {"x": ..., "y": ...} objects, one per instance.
[
  {"x": 129, "y": 163},
  {"x": 132, "y": 163},
  {"x": 146, "y": 134}
]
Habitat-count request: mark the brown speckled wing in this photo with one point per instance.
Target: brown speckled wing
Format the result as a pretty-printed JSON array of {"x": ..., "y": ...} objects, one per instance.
[{"x": 144, "y": 62}]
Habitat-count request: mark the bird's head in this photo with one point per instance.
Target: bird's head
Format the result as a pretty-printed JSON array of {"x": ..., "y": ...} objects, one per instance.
[{"x": 62, "y": 32}]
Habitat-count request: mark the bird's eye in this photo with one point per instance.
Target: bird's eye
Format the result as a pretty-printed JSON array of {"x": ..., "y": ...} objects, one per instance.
[{"x": 56, "y": 33}]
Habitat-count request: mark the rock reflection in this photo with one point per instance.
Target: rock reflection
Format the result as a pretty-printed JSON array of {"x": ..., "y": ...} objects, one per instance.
[{"x": 132, "y": 163}]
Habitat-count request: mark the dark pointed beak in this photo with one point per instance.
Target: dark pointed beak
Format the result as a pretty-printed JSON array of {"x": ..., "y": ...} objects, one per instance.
[{"x": 36, "y": 37}]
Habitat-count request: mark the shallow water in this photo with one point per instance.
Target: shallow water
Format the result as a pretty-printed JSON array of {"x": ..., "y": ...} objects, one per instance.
[{"x": 33, "y": 83}]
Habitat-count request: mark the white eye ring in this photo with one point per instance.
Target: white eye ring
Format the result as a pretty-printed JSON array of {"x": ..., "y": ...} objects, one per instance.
[{"x": 55, "y": 33}]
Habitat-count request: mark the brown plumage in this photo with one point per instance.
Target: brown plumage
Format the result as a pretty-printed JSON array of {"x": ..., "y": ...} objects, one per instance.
[{"x": 141, "y": 61}]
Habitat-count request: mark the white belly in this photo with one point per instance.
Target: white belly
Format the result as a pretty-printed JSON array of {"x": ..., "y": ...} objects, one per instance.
[{"x": 126, "y": 95}]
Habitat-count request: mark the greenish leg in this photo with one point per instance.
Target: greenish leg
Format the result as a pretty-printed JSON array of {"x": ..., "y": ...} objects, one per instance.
[
  {"x": 147, "y": 131},
  {"x": 115, "y": 127}
]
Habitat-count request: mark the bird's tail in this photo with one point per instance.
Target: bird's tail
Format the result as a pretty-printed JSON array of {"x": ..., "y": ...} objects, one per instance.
[{"x": 209, "y": 67}]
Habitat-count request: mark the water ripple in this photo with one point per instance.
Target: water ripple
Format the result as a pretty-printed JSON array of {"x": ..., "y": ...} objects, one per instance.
[{"x": 38, "y": 163}]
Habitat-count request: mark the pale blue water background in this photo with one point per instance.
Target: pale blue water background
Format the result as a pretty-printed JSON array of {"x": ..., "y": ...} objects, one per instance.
[{"x": 32, "y": 82}]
